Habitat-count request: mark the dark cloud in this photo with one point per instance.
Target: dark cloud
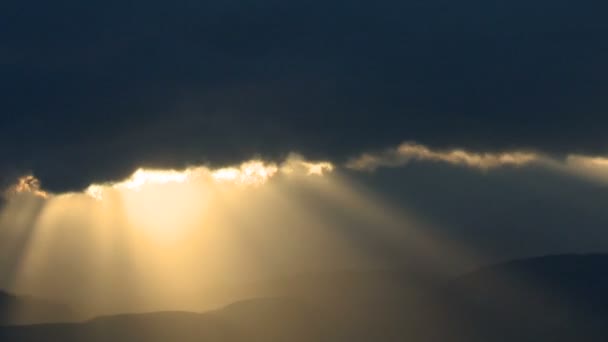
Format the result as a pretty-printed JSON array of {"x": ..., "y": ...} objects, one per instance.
[{"x": 91, "y": 91}]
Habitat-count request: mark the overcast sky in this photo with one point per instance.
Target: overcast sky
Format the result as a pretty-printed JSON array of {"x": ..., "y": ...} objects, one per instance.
[{"x": 90, "y": 91}]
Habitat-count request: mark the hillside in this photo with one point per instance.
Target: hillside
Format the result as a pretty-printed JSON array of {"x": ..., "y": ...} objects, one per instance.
[{"x": 558, "y": 298}]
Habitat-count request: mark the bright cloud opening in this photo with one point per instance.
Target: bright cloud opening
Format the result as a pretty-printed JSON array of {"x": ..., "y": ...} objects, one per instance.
[{"x": 249, "y": 173}]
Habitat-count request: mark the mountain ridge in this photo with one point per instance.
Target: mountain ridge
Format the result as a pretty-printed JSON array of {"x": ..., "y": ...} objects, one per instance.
[{"x": 478, "y": 306}]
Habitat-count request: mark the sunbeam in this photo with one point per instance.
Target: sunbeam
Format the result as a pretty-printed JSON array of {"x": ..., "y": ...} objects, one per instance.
[{"x": 182, "y": 239}]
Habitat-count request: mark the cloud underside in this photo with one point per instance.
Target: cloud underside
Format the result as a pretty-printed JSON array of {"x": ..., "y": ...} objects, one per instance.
[
  {"x": 590, "y": 167},
  {"x": 257, "y": 172},
  {"x": 251, "y": 173},
  {"x": 408, "y": 152}
]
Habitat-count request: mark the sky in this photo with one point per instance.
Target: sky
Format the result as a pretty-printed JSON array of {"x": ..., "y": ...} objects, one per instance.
[
  {"x": 92, "y": 91},
  {"x": 486, "y": 120}
]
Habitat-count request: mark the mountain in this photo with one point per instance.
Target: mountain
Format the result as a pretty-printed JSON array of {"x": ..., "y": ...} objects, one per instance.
[
  {"x": 557, "y": 298},
  {"x": 554, "y": 298},
  {"x": 574, "y": 282},
  {"x": 28, "y": 310}
]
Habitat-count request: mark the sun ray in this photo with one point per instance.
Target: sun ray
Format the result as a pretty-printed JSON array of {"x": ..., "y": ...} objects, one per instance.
[{"x": 178, "y": 238}]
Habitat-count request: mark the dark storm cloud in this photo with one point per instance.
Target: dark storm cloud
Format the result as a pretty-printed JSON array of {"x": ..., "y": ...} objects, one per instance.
[{"x": 90, "y": 91}]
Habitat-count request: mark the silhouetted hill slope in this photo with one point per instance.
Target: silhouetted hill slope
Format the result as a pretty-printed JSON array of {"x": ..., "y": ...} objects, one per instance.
[
  {"x": 559, "y": 298},
  {"x": 568, "y": 280},
  {"x": 28, "y": 310}
]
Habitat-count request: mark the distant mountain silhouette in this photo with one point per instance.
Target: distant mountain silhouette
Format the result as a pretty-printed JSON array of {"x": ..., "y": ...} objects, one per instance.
[
  {"x": 28, "y": 310},
  {"x": 554, "y": 298},
  {"x": 573, "y": 281}
]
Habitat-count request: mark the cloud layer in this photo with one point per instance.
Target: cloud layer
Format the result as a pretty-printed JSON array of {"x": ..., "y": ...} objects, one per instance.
[
  {"x": 93, "y": 99},
  {"x": 408, "y": 152},
  {"x": 256, "y": 172},
  {"x": 248, "y": 173}
]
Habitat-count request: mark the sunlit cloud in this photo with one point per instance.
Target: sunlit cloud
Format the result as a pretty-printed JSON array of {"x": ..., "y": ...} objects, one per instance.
[
  {"x": 318, "y": 168},
  {"x": 407, "y": 152},
  {"x": 591, "y": 167},
  {"x": 594, "y": 168},
  {"x": 249, "y": 173},
  {"x": 295, "y": 164},
  {"x": 142, "y": 177},
  {"x": 26, "y": 185},
  {"x": 588, "y": 162}
]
